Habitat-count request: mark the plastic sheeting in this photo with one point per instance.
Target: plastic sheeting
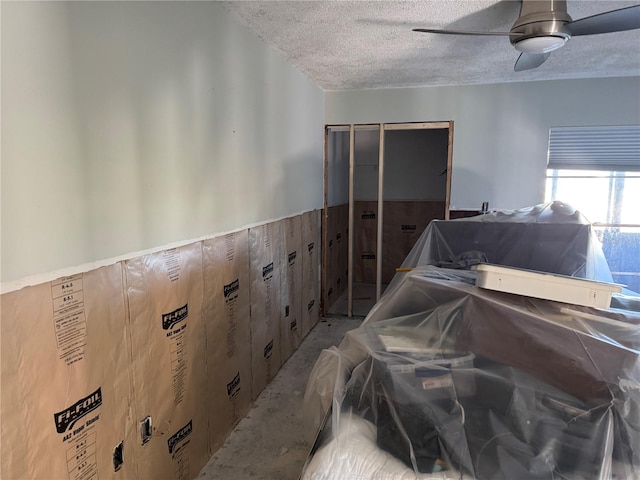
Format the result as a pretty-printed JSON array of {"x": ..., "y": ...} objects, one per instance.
[
  {"x": 353, "y": 454},
  {"x": 551, "y": 237},
  {"x": 484, "y": 384}
]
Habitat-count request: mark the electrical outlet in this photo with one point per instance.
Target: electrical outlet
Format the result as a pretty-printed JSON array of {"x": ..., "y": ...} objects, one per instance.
[
  {"x": 118, "y": 456},
  {"x": 146, "y": 429}
]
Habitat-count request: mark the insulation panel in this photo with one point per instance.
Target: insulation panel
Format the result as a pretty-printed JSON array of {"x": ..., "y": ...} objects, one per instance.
[
  {"x": 291, "y": 285},
  {"x": 164, "y": 291},
  {"x": 227, "y": 325},
  {"x": 310, "y": 270},
  {"x": 65, "y": 379},
  {"x": 403, "y": 223},
  {"x": 265, "y": 242},
  {"x": 337, "y": 252},
  {"x": 365, "y": 241},
  {"x": 141, "y": 375}
]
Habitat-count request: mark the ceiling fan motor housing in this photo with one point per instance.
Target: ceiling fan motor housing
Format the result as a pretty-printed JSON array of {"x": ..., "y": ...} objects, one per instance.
[{"x": 541, "y": 27}]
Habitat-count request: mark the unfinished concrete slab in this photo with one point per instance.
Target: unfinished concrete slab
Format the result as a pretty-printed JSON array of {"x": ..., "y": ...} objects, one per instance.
[{"x": 273, "y": 441}]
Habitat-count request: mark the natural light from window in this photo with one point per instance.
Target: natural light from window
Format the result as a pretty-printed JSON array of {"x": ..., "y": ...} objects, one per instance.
[
  {"x": 608, "y": 198},
  {"x": 610, "y": 201}
]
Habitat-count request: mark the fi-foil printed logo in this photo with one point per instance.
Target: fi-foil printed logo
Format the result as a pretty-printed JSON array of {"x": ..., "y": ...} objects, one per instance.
[
  {"x": 233, "y": 387},
  {"x": 179, "y": 436},
  {"x": 68, "y": 417},
  {"x": 171, "y": 318},
  {"x": 266, "y": 271},
  {"x": 232, "y": 287},
  {"x": 268, "y": 349}
]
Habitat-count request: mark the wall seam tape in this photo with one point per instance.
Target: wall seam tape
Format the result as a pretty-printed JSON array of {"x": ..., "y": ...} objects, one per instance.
[
  {"x": 131, "y": 404},
  {"x": 204, "y": 313}
]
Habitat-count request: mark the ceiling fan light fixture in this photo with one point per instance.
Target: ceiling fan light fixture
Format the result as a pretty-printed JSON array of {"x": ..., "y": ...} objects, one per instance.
[{"x": 541, "y": 44}]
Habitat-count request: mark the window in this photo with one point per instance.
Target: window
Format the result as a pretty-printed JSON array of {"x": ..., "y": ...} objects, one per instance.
[{"x": 597, "y": 171}]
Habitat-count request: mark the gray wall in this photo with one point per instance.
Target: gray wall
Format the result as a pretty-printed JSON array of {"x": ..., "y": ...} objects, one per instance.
[
  {"x": 500, "y": 131},
  {"x": 128, "y": 125}
]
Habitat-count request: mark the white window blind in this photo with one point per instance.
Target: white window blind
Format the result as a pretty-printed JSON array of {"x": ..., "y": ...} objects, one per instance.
[{"x": 612, "y": 148}]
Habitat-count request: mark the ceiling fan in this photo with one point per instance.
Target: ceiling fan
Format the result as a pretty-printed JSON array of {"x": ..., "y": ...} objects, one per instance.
[{"x": 545, "y": 25}]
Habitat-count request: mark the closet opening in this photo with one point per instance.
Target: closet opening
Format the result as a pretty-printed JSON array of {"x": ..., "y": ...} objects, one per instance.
[{"x": 383, "y": 184}]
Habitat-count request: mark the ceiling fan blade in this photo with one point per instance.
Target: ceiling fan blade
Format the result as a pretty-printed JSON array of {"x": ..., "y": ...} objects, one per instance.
[
  {"x": 463, "y": 32},
  {"x": 527, "y": 61},
  {"x": 613, "y": 21}
]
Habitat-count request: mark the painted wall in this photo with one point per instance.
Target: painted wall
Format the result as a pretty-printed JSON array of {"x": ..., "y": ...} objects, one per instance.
[
  {"x": 501, "y": 131},
  {"x": 128, "y": 126}
]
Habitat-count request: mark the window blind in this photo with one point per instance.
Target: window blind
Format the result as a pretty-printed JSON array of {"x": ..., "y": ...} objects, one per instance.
[{"x": 614, "y": 148}]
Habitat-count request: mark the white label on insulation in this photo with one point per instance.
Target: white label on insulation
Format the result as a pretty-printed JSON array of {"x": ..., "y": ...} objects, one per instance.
[
  {"x": 172, "y": 263},
  {"x": 69, "y": 322}
]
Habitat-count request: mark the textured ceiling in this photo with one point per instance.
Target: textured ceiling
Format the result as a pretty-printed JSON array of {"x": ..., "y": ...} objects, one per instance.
[{"x": 345, "y": 45}]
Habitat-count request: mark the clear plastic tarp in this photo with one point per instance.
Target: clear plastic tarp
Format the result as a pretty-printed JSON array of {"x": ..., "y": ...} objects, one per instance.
[
  {"x": 445, "y": 380},
  {"x": 551, "y": 237}
]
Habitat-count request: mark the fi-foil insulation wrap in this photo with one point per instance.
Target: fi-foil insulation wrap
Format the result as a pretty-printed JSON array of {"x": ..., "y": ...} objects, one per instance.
[
  {"x": 227, "y": 325},
  {"x": 291, "y": 280},
  {"x": 265, "y": 242},
  {"x": 310, "y": 270},
  {"x": 342, "y": 239},
  {"x": 65, "y": 380},
  {"x": 336, "y": 281},
  {"x": 168, "y": 351},
  {"x": 404, "y": 222},
  {"x": 365, "y": 241},
  {"x": 327, "y": 293}
]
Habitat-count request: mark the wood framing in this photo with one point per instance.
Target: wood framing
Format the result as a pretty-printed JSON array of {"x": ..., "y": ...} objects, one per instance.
[{"x": 382, "y": 127}]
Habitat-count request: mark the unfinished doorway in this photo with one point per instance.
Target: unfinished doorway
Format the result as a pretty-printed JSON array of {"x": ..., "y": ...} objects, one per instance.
[{"x": 383, "y": 184}]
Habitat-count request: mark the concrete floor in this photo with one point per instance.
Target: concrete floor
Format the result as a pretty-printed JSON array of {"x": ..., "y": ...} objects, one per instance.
[
  {"x": 271, "y": 443},
  {"x": 364, "y": 298}
]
